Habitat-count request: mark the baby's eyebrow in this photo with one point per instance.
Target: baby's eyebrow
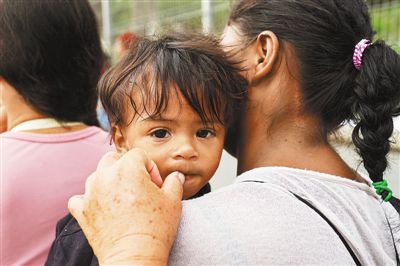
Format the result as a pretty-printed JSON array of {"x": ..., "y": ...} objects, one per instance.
[
  {"x": 156, "y": 119},
  {"x": 163, "y": 119}
]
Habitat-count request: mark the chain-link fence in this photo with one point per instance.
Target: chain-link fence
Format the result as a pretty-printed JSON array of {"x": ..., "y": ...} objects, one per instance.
[
  {"x": 386, "y": 20},
  {"x": 145, "y": 17}
]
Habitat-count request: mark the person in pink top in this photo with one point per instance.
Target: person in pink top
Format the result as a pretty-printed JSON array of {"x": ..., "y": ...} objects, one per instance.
[{"x": 51, "y": 60}]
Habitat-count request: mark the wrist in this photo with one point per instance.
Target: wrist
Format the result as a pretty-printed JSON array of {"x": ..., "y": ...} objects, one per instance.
[
  {"x": 138, "y": 250},
  {"x": 120, "y": 259}
]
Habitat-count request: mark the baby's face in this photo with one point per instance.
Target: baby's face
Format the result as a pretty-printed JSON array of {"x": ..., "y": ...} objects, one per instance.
[{"x": 177, "y": 141}]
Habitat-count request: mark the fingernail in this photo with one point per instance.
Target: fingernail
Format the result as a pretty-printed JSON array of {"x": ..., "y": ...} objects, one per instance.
[{"x": 181, "y": 177}]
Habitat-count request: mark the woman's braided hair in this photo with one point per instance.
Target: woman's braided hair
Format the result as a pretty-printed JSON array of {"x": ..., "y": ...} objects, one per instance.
[{"x": 324, "y": 34}]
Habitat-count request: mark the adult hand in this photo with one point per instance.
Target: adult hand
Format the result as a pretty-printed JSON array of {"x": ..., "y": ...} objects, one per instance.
[{"x": 126, "y": 217}]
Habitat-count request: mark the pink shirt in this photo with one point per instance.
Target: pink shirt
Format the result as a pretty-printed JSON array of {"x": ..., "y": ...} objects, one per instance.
[{"x": 39, "y": 173}]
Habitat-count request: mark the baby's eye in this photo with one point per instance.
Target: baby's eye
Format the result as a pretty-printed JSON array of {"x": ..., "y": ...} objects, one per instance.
[
  {"x": 205, "y": 133},
  {"x": 160, "y": 133}
]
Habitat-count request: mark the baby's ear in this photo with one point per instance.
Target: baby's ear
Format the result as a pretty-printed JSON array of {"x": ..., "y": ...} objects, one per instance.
[{"x": 119, "y": 139}]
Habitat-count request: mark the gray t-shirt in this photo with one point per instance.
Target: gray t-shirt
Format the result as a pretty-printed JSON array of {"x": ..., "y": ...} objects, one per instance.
[{"x": 252, "y": 223}]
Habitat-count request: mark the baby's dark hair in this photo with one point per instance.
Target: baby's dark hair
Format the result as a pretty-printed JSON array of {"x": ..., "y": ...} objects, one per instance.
[
  {"x": 324, "y": 34},
  {"x": 191, "y": 64}
]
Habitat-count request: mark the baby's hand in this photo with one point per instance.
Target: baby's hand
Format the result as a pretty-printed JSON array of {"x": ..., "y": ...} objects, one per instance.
[{"x": 125, "y": 216}]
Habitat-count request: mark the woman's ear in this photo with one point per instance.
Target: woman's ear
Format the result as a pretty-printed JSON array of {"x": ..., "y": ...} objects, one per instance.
[
  {"x": 2, "y": 82},
  {"x": 267, "y": 50},
  {"x": 119, "y": 139}
]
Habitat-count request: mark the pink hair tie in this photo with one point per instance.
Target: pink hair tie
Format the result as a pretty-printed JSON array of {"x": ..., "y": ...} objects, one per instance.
[{"x": 358, "y": 52}]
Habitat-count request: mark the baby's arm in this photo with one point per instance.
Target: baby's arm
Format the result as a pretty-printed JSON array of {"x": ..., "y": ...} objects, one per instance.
[{"x": 70, "y": 246}]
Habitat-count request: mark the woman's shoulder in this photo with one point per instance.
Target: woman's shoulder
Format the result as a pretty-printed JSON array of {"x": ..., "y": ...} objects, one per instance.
[
  {"x": 59, "y": 152},
  {"x": 254, "y": 201},
  {"x": 247, "y": 223},
  {"x": 287, "y": 205},
  {"x": 88, "y": 133},
  {"x": 236, "y": 190}
]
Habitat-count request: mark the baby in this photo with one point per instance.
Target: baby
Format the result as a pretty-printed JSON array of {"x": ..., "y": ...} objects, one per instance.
[{"x": 173, "y": 98}]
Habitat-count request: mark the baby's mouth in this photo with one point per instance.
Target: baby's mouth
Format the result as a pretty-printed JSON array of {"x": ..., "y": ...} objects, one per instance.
[{"x": 190, "y": 174}]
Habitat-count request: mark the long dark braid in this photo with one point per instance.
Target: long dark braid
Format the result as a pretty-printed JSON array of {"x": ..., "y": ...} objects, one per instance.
[{"x": 377, "y": 93}]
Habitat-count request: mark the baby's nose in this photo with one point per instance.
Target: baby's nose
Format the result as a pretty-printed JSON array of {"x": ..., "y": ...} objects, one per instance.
[{"x": 185, "y": 150}]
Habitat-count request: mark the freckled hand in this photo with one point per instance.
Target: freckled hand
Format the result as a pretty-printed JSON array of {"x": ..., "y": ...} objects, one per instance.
[{"x": 128, "y": 215}]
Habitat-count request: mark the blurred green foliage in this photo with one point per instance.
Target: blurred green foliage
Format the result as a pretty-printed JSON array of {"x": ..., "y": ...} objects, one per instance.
[
  {"x": 147, "y": 17},
  {"x": 164, "y": 15},
  {"x": 386, "y": 22}
]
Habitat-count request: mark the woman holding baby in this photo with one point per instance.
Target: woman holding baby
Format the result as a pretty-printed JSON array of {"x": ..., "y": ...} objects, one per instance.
[{"x": 311, "y": 66}]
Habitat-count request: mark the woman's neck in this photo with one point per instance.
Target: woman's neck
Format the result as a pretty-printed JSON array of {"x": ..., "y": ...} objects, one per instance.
[
  {"x": 289, "y": 144},
  {"x": 15, "y": 110},
  {"x": 24, "y": 112}
]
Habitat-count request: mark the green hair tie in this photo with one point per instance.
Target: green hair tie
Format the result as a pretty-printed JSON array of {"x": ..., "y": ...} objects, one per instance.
[{"x": 382, "y": 186}]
